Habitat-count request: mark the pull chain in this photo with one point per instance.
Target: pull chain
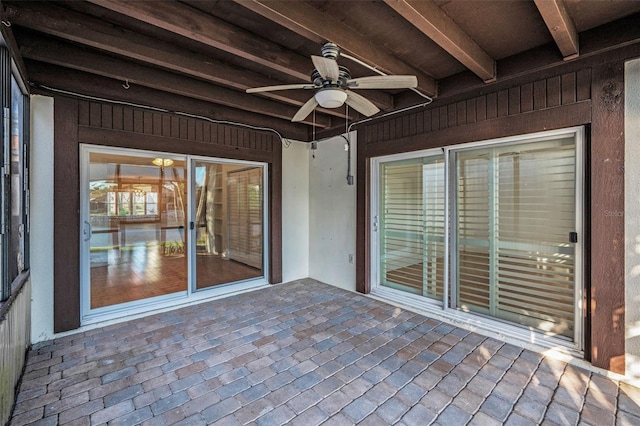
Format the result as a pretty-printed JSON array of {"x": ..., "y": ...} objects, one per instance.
[{"x": 313, "y": 142}]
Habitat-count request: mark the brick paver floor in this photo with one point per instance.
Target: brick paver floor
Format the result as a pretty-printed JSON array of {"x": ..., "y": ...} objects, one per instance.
[{"x": 306, "y": 353}]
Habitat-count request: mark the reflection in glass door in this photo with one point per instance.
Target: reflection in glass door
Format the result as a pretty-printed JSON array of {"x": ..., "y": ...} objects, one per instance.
[
  {"x": 229, "y": 223},
  {"x": 133, "y": 231}
]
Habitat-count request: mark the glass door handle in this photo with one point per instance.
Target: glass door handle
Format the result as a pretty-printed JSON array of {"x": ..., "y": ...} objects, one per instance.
[{"x": 86, "y": 231}]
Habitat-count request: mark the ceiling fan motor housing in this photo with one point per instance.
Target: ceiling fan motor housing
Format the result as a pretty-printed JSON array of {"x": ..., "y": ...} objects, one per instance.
[{"x": 318, "y": 81}]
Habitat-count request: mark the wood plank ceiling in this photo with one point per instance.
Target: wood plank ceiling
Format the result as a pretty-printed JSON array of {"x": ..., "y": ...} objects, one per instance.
[{"x": 200, "y": 56}]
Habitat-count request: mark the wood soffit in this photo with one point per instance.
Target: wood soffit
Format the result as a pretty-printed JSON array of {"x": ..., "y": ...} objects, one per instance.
[{"x": 209, "y": 52}]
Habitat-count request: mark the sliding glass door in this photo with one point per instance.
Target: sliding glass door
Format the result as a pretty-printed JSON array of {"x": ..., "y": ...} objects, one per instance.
[
  {"x": 133, "y": 228},
  {"x": 490, "y": 229},
  {"x": 412, "y": 226},
  {"x": 160, "y": 228},
  {"x": 229, "y": 223},
  {"x": 515, "y": 214}
]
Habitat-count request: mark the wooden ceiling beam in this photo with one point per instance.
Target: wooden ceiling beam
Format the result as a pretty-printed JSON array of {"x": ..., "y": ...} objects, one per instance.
[
  {"x": 92, "y": 32},
  {"x": 561, "y": 26},
  {"x": 67, "y": 55},
  {"x": 207, "y": 29},
  {"x": 188, "y": 22},
  {"x": 47, "y": 76},
  {"x": 211, "y": 31},
  {"x": 427, "y": 17},
  {"x": 316, "y": 25}
]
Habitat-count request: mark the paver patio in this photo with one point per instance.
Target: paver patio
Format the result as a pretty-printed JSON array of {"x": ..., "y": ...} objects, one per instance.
[{"x": 306, "y": 353}]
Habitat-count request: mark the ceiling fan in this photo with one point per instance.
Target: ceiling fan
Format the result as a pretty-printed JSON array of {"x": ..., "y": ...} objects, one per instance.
[{"x": 333, "y": 85}]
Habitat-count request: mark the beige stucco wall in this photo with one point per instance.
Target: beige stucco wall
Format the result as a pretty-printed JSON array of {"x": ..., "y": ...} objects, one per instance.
[
  {"x": 295, "y": 211},
  {"x": 332, "y": 214},
  {"x": 41, "y": 218}
]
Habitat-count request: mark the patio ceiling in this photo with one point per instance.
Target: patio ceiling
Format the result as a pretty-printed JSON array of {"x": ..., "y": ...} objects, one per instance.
[{"x": 203, "y": 55}]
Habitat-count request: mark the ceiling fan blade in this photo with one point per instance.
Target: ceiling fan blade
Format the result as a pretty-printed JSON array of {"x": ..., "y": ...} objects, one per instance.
[
  {"x": 280, "y": 87},
  {"x": 361, "y": 104},
  {"x": 384, "y": 82},
  {"x": 305, "y": 109},
  {"x": 327, "y": 67}
]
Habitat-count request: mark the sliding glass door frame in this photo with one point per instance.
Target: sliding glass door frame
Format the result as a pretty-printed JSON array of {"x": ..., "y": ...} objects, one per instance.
[
  {"x": 190, "y": 294},
  {"x": 446, "y": 308},
  {"x": 376, "y": 252}
]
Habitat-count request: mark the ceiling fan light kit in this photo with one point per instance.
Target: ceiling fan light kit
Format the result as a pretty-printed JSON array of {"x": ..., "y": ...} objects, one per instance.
[
  {"x": 162, "y": 162},
  {"x": 333, "y": 82},
  {"x": 331, "y": 98}
]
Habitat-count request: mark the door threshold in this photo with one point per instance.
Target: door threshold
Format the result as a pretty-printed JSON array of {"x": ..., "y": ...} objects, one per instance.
[
  {"x": 168, "y": 303},
  {"x": 527, "y": 338}
]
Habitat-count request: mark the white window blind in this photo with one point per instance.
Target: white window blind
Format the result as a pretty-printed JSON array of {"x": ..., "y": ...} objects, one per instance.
[
  {"x": 412, "y": 226},
  {"x": 474, "y": 228},
  {"x": 515, "y": 211},
  {"x": 244, "y": 196}
]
